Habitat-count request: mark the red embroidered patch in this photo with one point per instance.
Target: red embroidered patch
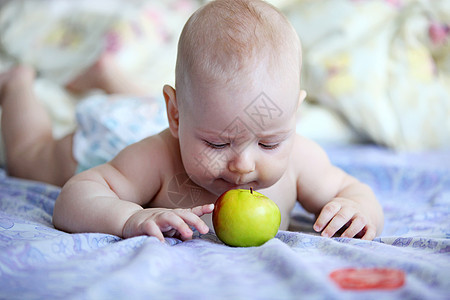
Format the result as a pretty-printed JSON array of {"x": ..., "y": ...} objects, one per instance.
[{"x": 368, "y": 278}]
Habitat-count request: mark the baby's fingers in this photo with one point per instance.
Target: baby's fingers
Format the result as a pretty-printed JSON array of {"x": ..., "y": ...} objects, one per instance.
[
  {"x": 340, "y": 219},
  {"x": 203, "y": 209},
  {"x": 172, "y": 220},
  {"x": 152, "y": 229},
  {"x": 192, "y": 217},
  {"x": 370, "y": 233},
  {"x": 325, "y": 216},
  {"x": 356, "y": 226}
]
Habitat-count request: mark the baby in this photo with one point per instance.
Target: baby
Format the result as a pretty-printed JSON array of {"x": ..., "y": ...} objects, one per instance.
[{"x": 232, "y": 124}]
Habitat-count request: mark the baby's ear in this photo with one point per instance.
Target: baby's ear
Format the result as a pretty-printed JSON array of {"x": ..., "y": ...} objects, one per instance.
[
  {"x": 170, "y": 96},
  {"x": 302, "y": 96}
]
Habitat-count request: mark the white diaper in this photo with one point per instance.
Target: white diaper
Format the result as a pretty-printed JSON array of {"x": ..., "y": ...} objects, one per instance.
[{"x": 107, "y": 124}]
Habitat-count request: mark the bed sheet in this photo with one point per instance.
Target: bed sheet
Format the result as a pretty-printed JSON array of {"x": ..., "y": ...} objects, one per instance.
[{"x": 38, "y": 261}]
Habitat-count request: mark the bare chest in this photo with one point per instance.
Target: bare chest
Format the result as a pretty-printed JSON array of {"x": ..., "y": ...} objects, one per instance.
[
  {"x": 180, "y": 192},
  {"x": 284, "y": 194}
]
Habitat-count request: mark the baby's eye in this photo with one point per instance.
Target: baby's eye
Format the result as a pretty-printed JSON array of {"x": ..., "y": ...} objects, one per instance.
[
  {"x": 216, "y": 146},
  {"x": 269, "y": 146}
]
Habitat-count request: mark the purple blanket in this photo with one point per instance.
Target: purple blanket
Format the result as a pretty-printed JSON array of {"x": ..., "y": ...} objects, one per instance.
[{"x": 37, "y": 261}]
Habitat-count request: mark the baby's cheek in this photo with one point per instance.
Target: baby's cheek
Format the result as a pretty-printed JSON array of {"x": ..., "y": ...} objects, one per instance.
[
  {"x": 205, "y": 166},
  {"x": 270, "y": 173}
]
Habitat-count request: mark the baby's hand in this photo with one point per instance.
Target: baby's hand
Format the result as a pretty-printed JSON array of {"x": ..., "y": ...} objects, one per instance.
[
  {"x": 342, "y": 213},
  {"x": 160, "y": 222}
]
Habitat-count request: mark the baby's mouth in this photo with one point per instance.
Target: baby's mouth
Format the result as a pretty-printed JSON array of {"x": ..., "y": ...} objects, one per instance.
[
  {"x": 225, "y": 185},
  {"x": 239, "y": 184}
]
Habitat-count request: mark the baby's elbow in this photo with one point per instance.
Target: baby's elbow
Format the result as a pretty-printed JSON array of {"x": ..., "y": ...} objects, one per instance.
[
  {"x": 56, "y": 219},
  {"x": 62, "y": 205},
  {"x": 58, "y": 211}
]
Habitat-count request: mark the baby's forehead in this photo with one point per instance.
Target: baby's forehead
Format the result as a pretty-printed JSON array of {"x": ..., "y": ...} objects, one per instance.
[
  {"x": 227, "y": 39},
  {"x": 258, "y": 96}
]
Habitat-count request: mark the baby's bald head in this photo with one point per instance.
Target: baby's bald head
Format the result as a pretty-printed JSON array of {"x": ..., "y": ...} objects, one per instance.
[{"x": 224, "y": 41}]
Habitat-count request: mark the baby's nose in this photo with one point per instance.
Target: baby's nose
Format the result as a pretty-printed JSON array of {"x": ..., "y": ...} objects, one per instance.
[{"x": 242, "y": 163}]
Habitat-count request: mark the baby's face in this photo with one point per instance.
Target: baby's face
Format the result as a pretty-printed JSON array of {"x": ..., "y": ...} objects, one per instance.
[{"x": 238, "y": 138}]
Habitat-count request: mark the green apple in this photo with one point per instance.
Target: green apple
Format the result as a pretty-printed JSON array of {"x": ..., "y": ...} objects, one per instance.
[{"x": 245, "y": 218}]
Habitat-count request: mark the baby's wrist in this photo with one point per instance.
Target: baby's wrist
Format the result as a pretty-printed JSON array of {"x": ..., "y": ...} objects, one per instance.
[{"x": 127, "y": 227}]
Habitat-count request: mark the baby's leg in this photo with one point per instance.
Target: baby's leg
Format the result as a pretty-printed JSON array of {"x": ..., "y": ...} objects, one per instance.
[
  {"x": 107, "y": 75},
  {"x": 31, "y": 151}
]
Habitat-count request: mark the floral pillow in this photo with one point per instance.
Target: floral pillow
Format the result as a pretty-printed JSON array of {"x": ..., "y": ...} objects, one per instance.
[
  {"x": 383, "y": 65},
  {"x": 60, "y": 38}
]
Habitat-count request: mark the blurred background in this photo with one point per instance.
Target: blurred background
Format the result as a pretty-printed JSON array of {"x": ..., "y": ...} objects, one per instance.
[{"x": 376, "y": 71}]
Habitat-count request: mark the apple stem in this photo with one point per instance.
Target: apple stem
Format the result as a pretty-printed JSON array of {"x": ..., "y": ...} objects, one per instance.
[{"x": 251, "y": 190}]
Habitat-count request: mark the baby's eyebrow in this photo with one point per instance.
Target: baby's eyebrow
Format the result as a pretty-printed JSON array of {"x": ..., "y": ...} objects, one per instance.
[
  {"x": 209, "y": 132},
  {"x": 278, "y": 134}
]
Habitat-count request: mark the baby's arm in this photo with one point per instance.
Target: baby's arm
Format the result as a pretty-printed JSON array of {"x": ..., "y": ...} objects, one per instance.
[
  {"x": 110, "y": 198},
  {"x": 340, "y": 201}
]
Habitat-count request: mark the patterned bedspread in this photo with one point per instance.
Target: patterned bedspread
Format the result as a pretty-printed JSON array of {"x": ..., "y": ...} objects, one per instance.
[{"x": 39, "y": 262}]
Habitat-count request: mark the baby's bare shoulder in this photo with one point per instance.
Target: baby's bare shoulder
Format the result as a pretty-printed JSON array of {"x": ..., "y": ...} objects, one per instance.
[
  {"x": 146, "y": 164},
  {"x": 309, "y": 159},
  {"x": 154, "y": 151},
  {"x": 306, "y": 149}
]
